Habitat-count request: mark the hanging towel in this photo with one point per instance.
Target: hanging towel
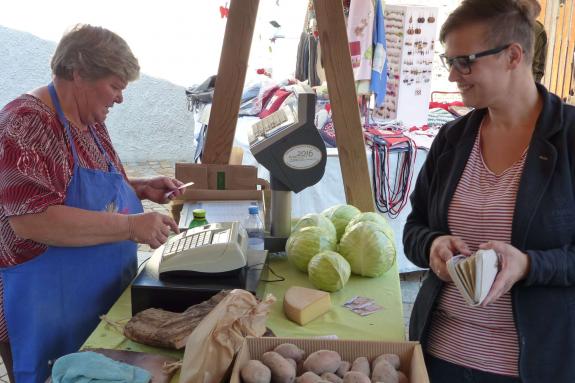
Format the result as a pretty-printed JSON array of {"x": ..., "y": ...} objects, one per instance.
[
  {"x": 360, "y": 37},
  {"x": 91, "y": 367},
  {"x": 379, "y": 69}
]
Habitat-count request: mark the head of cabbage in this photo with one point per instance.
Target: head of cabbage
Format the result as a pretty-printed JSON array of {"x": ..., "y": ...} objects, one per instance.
[
  {"x": 369, "y": 251},
  {"x": 375, "y": 218},
  {"x": 340, "y": 215},
  {"x": 314, "y": 219},
  {"x": 303, "y": 244},
  {"x": 328, "y": 271}
]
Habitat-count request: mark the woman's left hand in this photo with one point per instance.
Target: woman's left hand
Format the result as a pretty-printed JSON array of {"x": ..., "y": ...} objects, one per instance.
[
  {"x": 157, "y": 189},
  {"x": 513, "y": 267}
]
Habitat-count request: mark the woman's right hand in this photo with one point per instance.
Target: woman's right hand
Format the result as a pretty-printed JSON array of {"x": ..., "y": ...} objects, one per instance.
[
  {"x": 443, "y": 248},
  {"x": 151, "y": 229}
]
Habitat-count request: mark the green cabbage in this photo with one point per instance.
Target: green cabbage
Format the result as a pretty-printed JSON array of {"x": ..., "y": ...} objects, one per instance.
[
  {"x": 328, "y": 271},
  {"x": 313, "y": 219},
  {"x": 369, "y": 251},
  {"x": 303, "y": 244},
  {"x": 375, "y": 218},
  {"x": 340, "y": 215}
]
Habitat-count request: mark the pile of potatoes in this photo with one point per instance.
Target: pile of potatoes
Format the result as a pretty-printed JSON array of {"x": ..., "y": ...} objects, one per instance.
[{"x": 287, "y": 364}]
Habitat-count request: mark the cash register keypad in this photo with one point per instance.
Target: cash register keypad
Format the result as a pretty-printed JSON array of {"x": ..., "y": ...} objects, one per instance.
[{"x": 187, "y": 242}]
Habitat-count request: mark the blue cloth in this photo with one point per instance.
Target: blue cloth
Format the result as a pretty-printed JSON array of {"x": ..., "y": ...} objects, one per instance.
[
  {"x": 91, "y": 367},
  {"x": 379, "y": 68},
  {"x": 52, "y": 303}
]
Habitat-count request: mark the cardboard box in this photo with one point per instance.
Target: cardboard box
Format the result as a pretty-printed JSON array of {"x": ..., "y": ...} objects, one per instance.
[
  {"x": 221, "y": 183},
  {"x": 410, "y": 354},
  {"x": 218, "y": 177}
]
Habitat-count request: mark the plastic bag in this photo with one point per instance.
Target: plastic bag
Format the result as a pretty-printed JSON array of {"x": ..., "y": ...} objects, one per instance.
[{"x": 210, "y": 349}]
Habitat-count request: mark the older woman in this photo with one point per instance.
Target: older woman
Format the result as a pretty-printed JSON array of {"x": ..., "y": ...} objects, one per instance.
[
  {"x": 70, "y": 219},
  {"x": 501, "y": 177}
]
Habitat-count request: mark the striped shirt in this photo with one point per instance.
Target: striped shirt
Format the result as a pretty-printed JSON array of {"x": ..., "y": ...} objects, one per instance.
[
  {"x": 481, "y": 210},
  {"x": 36, "y": 166}
]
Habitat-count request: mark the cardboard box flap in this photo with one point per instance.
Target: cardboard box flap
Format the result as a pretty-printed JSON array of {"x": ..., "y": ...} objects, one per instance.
[
  {"x": 220, "y": 195},
  {"x": 193, "y": 172},
  {"x": 218, "y": 177}
]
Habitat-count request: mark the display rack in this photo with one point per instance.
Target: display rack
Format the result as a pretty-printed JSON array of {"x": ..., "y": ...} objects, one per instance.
[{"x": 410, "y": 38}]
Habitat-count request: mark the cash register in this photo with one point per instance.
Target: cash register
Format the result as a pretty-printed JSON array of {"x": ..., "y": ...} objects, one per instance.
[
  {"x": 194, "y": 265},
  {"x": 288, "y": 144}
]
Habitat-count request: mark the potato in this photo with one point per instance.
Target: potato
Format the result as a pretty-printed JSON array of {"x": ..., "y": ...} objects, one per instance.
[
  {"x": 292, "y": 362},
  {"x": 402, "y": 377},
  {"x": 344, "y": 367},
  {"x": 355, "y": 377},
  {"x": 331, "y": 377},
  {"x": 384, "y": 372},
  {"x": 361, "y": 364},
  {"x": 282, "y": 370},
  {"x": 322, "y": 361},
  {"x": 289, "y": 350},
  {"x": 393, "y": 359},
  {"x": 308, "y": 377},
  {"x": 255, "y": 372}
]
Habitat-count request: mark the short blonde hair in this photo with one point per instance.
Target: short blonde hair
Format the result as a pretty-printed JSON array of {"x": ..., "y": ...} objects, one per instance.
[
  {"x": 508, "y": 21},
  {"x": 94, "y": 52}
]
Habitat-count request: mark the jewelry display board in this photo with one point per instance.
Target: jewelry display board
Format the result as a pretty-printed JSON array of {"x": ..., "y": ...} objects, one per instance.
[{"x": 410, "y": 34}]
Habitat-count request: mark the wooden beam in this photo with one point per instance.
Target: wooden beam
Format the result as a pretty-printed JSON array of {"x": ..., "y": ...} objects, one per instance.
[
  {"x": 567, "y": 73},
  {"x": 551, "y": 10},
  {"x": 561, "y": 71},
  {"x": 230, "y": 81},
  {"x": 543, "y": 4},
  {"x": 344, "y": 106},
  {"x": 557, "y": 49}
]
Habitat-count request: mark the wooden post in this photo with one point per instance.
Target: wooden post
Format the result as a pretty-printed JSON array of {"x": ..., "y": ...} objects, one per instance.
[
  {"x": 230, "y": 81},
  {"x": 570, "y": 4},
  {"x": 344, "y": 106},
  {"x": 551, "y": 9}
]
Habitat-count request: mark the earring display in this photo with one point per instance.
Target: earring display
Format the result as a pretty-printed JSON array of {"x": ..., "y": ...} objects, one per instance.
[{"x": 410, "y": 37}]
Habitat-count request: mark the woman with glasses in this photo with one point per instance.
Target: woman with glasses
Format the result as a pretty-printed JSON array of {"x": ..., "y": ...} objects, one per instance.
[{"x": 502, "y": 178}]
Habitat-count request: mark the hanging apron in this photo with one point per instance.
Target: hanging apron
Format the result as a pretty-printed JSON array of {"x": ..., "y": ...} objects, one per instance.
[{"x": 53, "y": 302}]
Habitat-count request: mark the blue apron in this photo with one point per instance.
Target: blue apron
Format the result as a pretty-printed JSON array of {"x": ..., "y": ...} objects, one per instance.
[{"x": 53, "y": 302}]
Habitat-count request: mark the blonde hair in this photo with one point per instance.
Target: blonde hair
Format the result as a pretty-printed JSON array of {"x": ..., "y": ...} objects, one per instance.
[
  {"x": 94, "y": 52},
  {"x": 507, "y": 20}
]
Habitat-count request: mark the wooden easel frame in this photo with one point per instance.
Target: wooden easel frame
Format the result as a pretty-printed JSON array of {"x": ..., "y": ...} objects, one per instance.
[{"x": 341, "y": 86}]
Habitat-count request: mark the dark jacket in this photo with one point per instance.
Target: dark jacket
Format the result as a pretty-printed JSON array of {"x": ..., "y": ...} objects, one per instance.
[{"x": 543, "y": 227}]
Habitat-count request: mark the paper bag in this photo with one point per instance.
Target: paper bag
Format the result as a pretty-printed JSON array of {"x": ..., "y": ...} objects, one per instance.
[{"x": 211, "y": 347}]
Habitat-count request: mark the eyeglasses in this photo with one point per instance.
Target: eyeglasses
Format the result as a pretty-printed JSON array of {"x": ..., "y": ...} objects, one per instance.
[{"x": 462, "y": 64}]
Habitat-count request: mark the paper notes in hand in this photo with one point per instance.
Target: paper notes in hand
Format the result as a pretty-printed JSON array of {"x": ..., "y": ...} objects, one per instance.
[{"x": 474, "y": 275}]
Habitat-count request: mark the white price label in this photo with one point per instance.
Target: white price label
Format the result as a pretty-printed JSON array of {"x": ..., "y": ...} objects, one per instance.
[{"x": 302, "y": 157}]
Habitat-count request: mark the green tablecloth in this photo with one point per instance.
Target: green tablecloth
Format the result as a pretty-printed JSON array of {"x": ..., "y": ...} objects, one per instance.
[
  {"x": 106, "y": 336},
  {"x": 385, "y": 325}
]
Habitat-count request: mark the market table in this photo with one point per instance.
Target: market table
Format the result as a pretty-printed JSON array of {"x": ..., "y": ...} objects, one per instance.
[{"x": 385, "y": 325}]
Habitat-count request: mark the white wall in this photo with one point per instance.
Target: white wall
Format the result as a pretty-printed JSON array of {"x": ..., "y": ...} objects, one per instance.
[{"x": 178, "y": 45}]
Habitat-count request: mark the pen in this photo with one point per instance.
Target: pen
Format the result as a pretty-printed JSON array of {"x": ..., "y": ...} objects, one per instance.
[{"x": 168, "y": 194}]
